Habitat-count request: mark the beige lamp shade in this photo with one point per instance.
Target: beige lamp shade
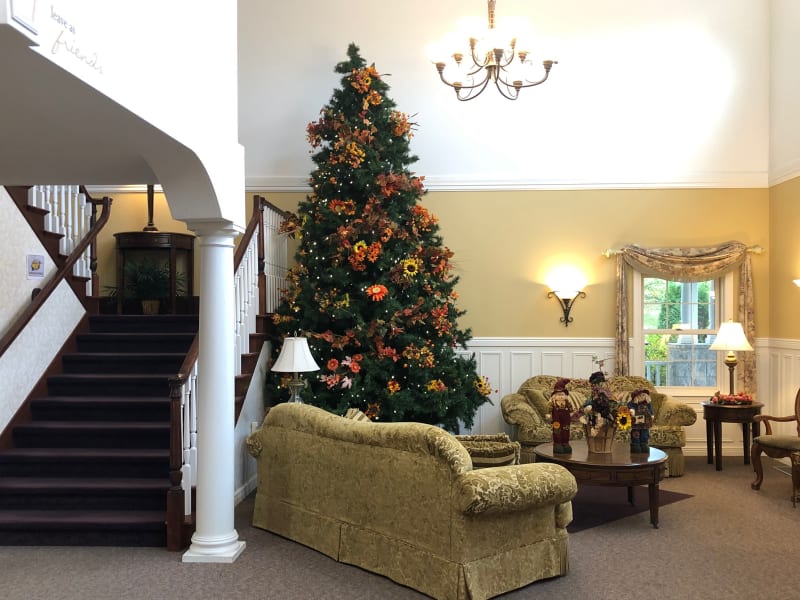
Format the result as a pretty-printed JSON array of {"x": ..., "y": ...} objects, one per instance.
[
  {"x": 295, "y": 357},
  {"x": 731, "y": 337}
]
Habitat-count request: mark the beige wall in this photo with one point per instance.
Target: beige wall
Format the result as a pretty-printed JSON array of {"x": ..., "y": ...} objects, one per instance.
[
  {"x": 784, "y": 223},
  {"x": 129, "y": 213},
  {"x": 505, "y": 244}
]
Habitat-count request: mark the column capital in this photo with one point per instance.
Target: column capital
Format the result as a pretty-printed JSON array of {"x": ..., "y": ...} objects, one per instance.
[{"x": 214, "y": 228}]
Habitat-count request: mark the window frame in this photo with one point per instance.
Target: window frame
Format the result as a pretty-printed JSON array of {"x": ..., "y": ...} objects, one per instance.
[{"x": 723, "y": 311}]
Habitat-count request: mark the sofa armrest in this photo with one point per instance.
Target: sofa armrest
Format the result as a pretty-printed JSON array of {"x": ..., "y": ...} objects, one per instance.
[
  {"x": 675, "y": 413},
  {"x": 253, "y": 442},
  {"x": 513, "y": 488}
]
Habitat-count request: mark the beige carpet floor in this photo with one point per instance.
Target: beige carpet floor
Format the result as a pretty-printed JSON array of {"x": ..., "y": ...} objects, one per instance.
[{"x": 725, "y": 542}]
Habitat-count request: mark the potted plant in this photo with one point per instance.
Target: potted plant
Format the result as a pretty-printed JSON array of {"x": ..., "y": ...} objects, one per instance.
[{"x": 148, "y": 282}]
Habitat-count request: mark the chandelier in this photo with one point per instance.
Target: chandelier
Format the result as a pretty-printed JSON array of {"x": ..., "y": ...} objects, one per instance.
[{"x": 490, "y": 58}]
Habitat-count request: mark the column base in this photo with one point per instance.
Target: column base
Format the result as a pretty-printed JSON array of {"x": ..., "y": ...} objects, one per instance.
[{"x": 214, "y": 550}]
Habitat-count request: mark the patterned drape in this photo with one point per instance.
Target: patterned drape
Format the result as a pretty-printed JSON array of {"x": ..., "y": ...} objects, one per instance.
[{"x": 688, "y": 264}]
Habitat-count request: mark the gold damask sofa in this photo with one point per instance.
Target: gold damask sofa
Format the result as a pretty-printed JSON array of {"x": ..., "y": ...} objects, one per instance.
[
  {"x": 402, "y": 500},
  {"x": 525, "y": 411}
]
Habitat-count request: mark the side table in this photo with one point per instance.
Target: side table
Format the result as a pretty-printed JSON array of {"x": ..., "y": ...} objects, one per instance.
[{"x": 717, "y": 414}]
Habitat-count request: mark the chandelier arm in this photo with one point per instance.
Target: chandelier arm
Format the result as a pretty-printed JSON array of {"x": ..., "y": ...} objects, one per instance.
[
  {"x": 511, "y": 56},
  {"x": 472, "y": 93},
  {"x": 481, "y": 84},
  {"x": 505, "y": 89},
  {"x": 548, "y": 64}
]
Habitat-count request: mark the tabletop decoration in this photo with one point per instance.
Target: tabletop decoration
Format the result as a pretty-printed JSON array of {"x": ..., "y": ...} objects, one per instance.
[
  {"x": 738, "y": 399},
  {"x": 601, "y": 415}
]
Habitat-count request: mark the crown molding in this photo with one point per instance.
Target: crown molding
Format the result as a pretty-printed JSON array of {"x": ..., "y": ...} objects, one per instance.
[{"x": 459, "y": 183}]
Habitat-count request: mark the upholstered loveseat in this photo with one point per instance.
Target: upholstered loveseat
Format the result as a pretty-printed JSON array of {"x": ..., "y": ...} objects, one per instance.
[
  {"x": 526, "y": 410},
  {"x": 402, "y": 500}
]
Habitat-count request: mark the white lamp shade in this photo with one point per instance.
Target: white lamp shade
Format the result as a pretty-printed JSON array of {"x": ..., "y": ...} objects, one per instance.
[
  {"x": 295, "y": 357},
  {"x": 731, "y": 337}
]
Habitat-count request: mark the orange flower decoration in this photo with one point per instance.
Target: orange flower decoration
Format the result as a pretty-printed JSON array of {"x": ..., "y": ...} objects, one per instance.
[
  {"x": 393, "y": 386},
  {"x": 377, "y": 292},
  {"x": 333, "y": 364}
]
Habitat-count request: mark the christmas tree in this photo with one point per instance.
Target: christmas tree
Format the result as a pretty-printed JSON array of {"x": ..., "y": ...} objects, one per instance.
[{"x": 373, "y": 289}]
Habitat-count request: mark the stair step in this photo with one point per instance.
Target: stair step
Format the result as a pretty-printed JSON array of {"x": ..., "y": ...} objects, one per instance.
[
  {"x": 92, "y": 434},
  {"x": 135, "y": 342},
  {"x": 97, "y": 493},
  {"x": 101, "y": 408},
  {"x": 144, "y": 323},
  {"x": 82, "y": 528},
  {"x": 84, "y": 384},
  {"x": 167, "y": 363},
  {"x": 84, "y": 462}
]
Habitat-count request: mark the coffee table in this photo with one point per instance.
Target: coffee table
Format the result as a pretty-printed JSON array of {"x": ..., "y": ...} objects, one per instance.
[{"x": 617, "y": 468}]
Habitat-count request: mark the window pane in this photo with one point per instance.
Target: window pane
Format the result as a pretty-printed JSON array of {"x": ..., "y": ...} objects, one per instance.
[{"x": 673, "y": 356}]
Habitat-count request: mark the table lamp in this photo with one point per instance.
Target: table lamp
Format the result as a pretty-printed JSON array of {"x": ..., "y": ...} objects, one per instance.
[
  {"x": 295, "y": 357},
  {"x": 731, "y": 338}
]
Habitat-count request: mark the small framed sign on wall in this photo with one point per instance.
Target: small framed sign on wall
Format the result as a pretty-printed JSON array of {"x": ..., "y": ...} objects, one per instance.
[
  {"x": 35, "y": 266},
  {"x": 24, "y": 13}
]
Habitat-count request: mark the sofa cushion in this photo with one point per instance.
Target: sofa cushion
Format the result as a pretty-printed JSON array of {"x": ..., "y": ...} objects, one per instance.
[
  {"x": 356, "y": 415},
  {"x": 492, "y": 450},
  {"x": 576, "y": 399},
  {"x": 536, "y": 399}
]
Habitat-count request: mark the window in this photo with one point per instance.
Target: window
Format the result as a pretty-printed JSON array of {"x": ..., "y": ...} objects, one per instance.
[{"x": 675, "y": 323}]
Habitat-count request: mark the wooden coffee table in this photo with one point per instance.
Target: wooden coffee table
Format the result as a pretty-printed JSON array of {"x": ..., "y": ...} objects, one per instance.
[{"x": 618, "y": 468}]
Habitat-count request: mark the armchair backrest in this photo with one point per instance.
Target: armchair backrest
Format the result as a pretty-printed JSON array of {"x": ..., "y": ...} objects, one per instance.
[{"x": 797, "y": 410}]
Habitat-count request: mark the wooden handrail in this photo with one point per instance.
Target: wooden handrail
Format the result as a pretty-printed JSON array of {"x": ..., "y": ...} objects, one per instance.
[
  {"x": 255, "y": 221},
  {"x": 30, "y": 311}
]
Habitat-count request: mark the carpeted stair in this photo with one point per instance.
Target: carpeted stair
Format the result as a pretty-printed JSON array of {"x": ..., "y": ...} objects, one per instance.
[{"x": 92, "y": 465}]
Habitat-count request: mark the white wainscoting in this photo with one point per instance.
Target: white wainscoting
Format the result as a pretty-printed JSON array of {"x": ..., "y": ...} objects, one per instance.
[{"x": 507, "y": 362}]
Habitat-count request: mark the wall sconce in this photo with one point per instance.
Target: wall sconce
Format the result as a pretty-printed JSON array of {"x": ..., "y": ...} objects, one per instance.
[
  {"x": 566, "y": 299},
  {"x": 295, "y": 357},
  {"x": 796, "y": 282}
]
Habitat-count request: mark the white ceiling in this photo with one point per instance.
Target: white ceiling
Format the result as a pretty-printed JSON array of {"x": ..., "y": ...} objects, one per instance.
[{"x": 645, "y": 93}]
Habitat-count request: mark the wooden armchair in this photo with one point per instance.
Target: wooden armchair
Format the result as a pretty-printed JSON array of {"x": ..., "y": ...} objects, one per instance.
[{"x": 778, "y": 446}]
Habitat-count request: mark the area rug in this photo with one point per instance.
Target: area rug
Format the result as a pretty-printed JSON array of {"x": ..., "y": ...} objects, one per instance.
[{"x": 597, "y": 505}]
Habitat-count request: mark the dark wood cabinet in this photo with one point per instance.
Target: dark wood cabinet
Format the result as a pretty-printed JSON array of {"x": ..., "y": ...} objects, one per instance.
[{"x": 173, "y": 251}]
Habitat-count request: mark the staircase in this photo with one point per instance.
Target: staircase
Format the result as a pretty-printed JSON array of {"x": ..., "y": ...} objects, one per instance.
[{"x": 92, "y": 465}]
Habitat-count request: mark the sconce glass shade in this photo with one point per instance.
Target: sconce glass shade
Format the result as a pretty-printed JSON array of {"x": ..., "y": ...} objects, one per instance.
[
  {"x": 566, "y": 301},
  {"x": 295, "y": 357},
  {"x": 796, "y": 282},
  {"x": 731, "y": 338},
  {"x": 566, "y": 294}
]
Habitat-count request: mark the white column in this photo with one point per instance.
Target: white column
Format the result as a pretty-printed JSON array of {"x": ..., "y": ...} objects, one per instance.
[{"x": 215, "y": 539}]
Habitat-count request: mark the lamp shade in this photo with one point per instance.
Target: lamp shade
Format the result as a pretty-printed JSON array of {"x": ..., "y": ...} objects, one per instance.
[
  {"x": 295, "y": 357},
  {"x": 731, "y": 337}
]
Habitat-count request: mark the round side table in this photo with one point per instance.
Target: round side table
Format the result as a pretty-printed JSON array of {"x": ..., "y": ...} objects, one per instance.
[{"x": 717, "y": 414}]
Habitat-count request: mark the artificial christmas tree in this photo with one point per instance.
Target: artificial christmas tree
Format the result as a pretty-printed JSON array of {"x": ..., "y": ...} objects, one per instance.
[{"x": 373, "y": 289}]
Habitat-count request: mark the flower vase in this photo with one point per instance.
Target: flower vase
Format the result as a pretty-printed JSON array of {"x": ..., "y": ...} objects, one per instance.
[{"x": 602, "y": 440}]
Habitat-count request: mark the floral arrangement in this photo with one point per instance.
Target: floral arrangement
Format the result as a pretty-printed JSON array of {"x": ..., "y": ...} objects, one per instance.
[
  {"x": 733, "y": 399},
  {"x": 602, "y": 411}
]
